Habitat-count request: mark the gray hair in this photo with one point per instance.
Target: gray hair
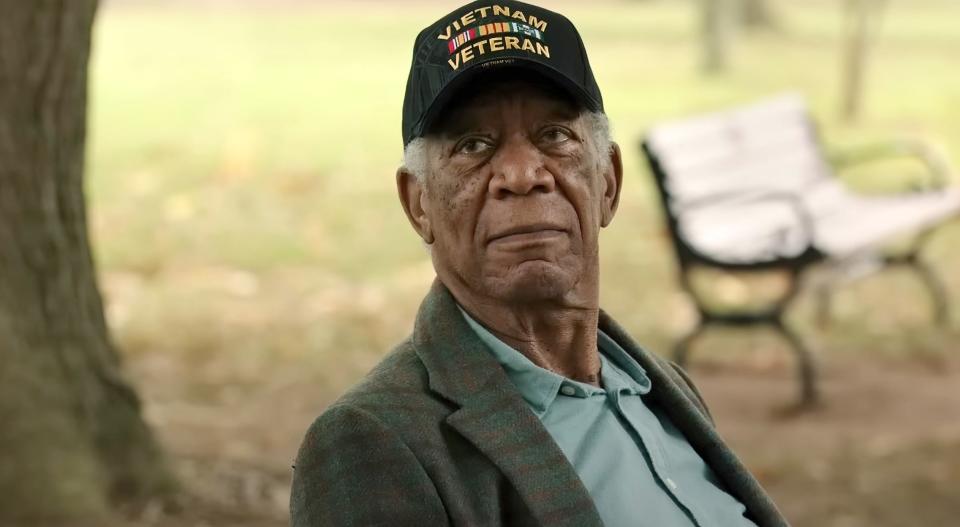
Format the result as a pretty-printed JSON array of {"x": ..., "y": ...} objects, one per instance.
[{"x": 597, "y": 123}]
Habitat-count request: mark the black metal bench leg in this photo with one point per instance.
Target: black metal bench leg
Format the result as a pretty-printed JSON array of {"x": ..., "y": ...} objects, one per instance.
[
  {"x": 806, "y": 367},
  {"x": 824, "y": 306},
  {"x": 934, "y": 285},
  {"x": 681, "y": 350}
]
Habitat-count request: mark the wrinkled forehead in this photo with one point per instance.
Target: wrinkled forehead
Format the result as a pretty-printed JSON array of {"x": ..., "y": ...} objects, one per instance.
[{"x": 477, "y": 100}]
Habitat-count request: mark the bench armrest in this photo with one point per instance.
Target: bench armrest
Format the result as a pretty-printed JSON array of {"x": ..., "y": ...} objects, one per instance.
[{"x": 933, "y": 159}]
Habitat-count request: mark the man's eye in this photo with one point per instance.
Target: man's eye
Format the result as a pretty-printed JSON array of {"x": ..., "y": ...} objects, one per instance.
[
  {"x": 472, "y": 145},
  {"x": 555, "y": 135}
]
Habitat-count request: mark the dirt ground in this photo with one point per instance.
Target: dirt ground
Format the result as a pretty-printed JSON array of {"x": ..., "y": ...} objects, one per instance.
[{"x": 883, "y": 450}]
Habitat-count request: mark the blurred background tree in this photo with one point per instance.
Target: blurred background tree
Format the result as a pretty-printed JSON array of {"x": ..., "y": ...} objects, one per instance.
[
  {"x": 721, "y": 19},
  {"x": 718, "y": 18},
  {"x": 72, "y": 438},
  {"x": 758, "y": 14},
  {"x": 861, "y": 25}
]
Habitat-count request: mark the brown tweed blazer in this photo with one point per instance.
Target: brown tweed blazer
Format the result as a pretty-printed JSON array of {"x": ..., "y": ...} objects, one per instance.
[{"x": 437, "y": 435}]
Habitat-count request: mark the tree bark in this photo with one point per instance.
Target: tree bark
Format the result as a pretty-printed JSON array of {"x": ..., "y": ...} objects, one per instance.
[{"x": 71, "y": 434}]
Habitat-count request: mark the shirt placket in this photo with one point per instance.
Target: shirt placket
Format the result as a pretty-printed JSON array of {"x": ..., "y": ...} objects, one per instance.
[{"x": 659, "y": 460}]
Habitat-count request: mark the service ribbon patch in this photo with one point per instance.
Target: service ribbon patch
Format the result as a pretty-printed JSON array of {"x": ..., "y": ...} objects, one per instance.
[{"x": 491, "y": 29}]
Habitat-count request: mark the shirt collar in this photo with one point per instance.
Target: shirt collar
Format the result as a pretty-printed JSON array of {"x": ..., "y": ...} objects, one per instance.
[
  {"x": 539, "y": 386},
  {"x": 624, "y": 367}
]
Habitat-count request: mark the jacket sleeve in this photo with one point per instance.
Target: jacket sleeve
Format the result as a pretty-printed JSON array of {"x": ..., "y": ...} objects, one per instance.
[{"x": 353, "y": 470}]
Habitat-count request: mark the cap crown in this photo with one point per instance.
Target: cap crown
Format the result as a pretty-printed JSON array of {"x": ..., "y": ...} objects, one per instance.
[{"x": 483, "y": 35}]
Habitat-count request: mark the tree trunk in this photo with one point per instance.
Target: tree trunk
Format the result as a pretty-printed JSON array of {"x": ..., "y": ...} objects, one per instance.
[
  {"x": 862, "y": 17},
  {"x": 757, "y": 14},
  {"x": 717, "y": 18},
  {"x": 71, "y": 435}
]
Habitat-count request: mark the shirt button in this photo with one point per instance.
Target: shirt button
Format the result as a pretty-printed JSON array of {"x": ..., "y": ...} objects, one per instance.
[
  {"x": 568, "y": 390},
  {"x": 670, "y": 483}
]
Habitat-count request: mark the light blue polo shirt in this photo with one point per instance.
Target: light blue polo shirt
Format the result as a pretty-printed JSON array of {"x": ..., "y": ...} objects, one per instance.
[{"x": 638, "y": 468}]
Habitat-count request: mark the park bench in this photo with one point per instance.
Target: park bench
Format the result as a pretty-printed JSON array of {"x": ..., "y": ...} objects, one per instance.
[{"x": 751, "y": 189}]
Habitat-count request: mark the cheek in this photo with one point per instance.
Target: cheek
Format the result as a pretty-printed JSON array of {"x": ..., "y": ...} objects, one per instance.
[
  {"x": 459, "y": 200},
  {"x": 458, "y": 197},
  {"x": 583, "y": 189}
]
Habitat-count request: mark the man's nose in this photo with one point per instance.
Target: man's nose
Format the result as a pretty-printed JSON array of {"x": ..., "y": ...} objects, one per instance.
[{"x": 518, "y": 169}]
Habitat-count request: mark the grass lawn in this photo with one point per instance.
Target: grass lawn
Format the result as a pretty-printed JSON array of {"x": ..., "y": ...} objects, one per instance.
[{"x": 257, "y": 141}]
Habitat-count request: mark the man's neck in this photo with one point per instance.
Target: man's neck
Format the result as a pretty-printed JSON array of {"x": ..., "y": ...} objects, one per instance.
[{"x": 557, "y": 337}]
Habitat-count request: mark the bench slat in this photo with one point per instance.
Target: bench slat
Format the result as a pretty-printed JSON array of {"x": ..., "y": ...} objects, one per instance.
[{"x": 767, "y": 148}]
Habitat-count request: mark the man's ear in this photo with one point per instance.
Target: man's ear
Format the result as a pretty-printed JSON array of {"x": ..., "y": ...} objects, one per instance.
[
  {"x": 412, "y": 198},
  {"x": 613, "y": 179}
]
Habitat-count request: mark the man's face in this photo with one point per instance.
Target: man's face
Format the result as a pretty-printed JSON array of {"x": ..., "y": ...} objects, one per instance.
[{"x": 515, "y": 194}]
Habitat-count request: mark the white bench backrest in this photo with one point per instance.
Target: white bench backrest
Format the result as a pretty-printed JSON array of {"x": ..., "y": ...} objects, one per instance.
[{"x": 769, "y": 146}]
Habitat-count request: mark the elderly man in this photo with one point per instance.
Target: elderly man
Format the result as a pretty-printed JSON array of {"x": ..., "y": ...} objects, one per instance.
[{"x": 516, "y": 401}]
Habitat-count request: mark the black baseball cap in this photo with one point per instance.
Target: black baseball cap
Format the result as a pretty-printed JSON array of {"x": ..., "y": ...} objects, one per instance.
[{"x": 483, "y": 36}]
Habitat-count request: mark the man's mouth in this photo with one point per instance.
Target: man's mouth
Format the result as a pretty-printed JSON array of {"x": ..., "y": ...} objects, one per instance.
[{"x": 527, "y": 234}]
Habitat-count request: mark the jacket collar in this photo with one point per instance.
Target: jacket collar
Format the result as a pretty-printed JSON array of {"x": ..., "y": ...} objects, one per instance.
[
  {"x": 494, "y": 417},
  {"x": 461, "y": 369},
  {"x": 458, "y": 366}
]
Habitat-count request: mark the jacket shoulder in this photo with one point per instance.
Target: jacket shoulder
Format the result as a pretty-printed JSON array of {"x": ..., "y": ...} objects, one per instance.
[
  {"x": 362, "y": 461},
  {"x": 400, "y": 375},
  {"x": 396, "y": 392}
]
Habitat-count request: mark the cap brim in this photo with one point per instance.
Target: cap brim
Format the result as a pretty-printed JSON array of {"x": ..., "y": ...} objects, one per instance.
[{"x": 446, "y": 94}]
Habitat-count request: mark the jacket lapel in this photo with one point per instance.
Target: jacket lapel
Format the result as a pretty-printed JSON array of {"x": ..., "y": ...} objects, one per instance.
[{"x": 494, "y": 417}]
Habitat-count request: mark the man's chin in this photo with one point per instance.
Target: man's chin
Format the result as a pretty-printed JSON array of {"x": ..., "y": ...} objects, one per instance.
[{"x": 533, "y": 281}]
